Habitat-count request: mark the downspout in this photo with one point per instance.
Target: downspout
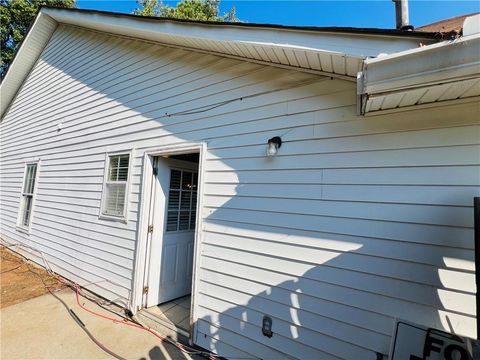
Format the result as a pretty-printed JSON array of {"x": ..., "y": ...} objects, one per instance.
[{"x": 361, "y": 96}]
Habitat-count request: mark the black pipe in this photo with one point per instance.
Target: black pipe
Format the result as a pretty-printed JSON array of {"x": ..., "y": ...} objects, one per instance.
[{"x": 401, "y": 15}]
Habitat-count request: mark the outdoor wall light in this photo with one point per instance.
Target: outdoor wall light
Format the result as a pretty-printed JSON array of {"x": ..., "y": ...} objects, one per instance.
[{"x": 273, "y": 145}]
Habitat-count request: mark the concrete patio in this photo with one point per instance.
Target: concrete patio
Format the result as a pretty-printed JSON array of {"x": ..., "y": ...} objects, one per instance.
[{"x": 41, "y": 328}]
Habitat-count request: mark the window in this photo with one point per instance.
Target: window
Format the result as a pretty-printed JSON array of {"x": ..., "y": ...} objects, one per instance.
[
  {"x": 28, "y": 189},
  {"x": 182, "y": 200},
  {"x": 116, "y": 185}
]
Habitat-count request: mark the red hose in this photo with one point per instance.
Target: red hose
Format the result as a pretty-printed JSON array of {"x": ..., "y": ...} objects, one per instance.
[{"x": 183, "y": 348}]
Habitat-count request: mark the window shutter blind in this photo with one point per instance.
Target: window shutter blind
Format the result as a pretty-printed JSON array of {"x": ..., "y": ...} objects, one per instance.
[
  {"x": 115, "y": 201},
  {"x": 116, "y": 186},
  {"x": 182, "y": 200},
  {"x": 27, "y": 195}
]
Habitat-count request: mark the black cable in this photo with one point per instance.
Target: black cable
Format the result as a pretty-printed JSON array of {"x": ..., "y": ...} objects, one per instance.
[
  {"x": 105, "y": 307},
  {"x": 82, "y": 325},
  {"x": 84, "y": 328},
  {"x": 76, "y": 318},
  {"x": 205, "y": 108}
]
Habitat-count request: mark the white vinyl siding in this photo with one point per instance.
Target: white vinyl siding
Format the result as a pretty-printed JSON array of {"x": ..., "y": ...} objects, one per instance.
[
  {"x": 28, "y": 191},
  {"x": 355, "y": 222},
  {"x": 116, "y": 186}
]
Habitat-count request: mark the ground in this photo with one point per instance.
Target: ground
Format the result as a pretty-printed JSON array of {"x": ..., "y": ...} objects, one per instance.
[
  {"x": 20, "y": 280},
  {"x": 38, "y": 325}
]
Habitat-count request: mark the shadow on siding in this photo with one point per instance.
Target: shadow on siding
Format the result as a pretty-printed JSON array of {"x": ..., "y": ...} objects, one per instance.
[{"x": 343, "y": 305}]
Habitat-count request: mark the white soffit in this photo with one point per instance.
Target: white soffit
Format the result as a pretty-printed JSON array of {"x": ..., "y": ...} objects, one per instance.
[
  {"x": 31, "y": 48},
  {"x": 338, "y": 54},
  {"x": 445, "y": 71},
  {"x": 333, "y": 53}
]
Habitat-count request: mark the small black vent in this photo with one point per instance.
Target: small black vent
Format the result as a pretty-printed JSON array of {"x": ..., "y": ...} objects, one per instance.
[{"x": 267, "y": 326}]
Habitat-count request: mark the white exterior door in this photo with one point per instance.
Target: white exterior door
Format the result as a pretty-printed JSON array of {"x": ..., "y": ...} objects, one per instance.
[{"x": 174, "y": 207}]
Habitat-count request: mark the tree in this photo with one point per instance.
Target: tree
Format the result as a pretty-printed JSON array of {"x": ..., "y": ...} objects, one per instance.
[
  {"x": 15, "y": 19},
  {"x": 203, "y": 10}
]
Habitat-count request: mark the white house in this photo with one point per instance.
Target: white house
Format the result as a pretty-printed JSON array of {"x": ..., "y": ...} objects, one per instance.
[{"x": 134, "y": 156}]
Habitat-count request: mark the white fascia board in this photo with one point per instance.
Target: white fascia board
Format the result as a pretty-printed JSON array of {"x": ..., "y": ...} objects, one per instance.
[
  {"x": 32, "y": 46},
  {"x": 448, "y": 61},
  {"x": 357, "y": 45}
]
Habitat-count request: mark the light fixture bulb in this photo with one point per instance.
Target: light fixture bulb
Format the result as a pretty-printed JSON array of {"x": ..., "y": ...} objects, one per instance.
[
  {"x": 272, "y": 149},
  {"x": 273, "y": 145}
]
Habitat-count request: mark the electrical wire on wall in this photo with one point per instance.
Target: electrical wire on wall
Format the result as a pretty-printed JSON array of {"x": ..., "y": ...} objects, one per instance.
[{"x": 212, "y": 106}]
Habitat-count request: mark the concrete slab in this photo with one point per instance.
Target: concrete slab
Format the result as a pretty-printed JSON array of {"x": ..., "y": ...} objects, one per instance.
[
  {"x": 185, "y": 302},
  {"x": 41, "y": 328}
]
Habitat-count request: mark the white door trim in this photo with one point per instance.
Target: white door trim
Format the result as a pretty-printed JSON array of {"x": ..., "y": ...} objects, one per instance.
[{"x": 140, "y": 264}]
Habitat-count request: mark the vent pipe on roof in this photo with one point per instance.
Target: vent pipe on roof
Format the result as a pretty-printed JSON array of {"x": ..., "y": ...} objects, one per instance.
[{"x": 401, "y": 14}]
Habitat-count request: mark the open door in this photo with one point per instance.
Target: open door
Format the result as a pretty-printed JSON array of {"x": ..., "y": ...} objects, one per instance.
[{"x": 173, "y": 221}]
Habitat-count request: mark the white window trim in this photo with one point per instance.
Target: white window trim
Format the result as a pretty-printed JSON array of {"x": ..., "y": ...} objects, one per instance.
[
  {"x": 20, "y": 227},
  {"x": 124, "y": 217}
]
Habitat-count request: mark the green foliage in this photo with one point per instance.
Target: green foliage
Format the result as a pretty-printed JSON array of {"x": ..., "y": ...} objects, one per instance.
[
  {"x": 15, "y": 19},
  {"x": 231, "y": 16},
  {"x": 147, "y": 8},
  {"x": 203, "y": 10}
]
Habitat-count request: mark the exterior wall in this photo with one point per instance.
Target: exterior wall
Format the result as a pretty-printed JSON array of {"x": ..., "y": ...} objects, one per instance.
[{"x": 356, "y": 222}]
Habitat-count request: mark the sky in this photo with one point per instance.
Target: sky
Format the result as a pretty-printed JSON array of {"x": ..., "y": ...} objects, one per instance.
[{"x": 373, "y": 13}]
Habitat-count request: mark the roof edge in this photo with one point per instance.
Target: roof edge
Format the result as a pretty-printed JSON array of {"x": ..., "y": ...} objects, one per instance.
[
  {"x": 9, "y": 90},
  {"x": 326, "y": 29}
]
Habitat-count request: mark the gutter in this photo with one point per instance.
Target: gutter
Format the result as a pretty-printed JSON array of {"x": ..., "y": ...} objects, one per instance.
[{"x": 385, "y": 79}]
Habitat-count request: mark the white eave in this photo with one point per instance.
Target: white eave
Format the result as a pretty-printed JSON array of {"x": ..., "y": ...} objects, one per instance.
[
  {"x": 26, "y": 57},
  {"x": 334, "y": 52},
  {"x": 430, "y": 74}
]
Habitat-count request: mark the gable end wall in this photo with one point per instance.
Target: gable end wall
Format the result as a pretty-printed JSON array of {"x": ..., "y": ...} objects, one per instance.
[{"x": 355, "y": 222}]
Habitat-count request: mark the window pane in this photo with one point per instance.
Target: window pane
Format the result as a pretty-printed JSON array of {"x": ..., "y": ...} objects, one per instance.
[
  {"x": 194, "y": 200},
  {"x": 27, "y": 209},
  {"x": 175, "y": 177},
  {"x": 28, "y": 175},
  {"x": 29, "y": 184},
  {"x": 112, "y": 176},
  {"x": 185, "y": 204},
  {"x": 27, "y": 195},
  {"x": 122, "y": 174},
  {"x": 118, "y": 168},
  {"x": 187, "y": 180},
  {"x": 123, "y": 161},
  {"x": 172, "y": 219},
  {"x": 173, "y": 200},
  {"x": 192, "y": 220},
  {"x": 114, "y": 161},
  {"x": 182, "y": 200},
  {"x": 195, "y": 181},
  {"x": 184, "y": 220},
  {"x": 114, "y": 199}
]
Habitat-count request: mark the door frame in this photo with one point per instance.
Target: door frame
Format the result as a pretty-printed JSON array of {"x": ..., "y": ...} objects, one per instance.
[
  {"x": 159, "y": 293},
  {"x": 142, "y": 251}
]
